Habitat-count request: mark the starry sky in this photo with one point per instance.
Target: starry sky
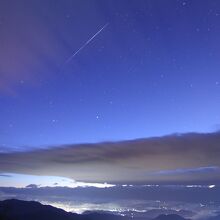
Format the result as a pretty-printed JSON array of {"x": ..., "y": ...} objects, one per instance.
[{"x": 152, "y": 70}]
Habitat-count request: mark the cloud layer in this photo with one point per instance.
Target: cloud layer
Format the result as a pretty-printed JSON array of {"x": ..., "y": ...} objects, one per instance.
[
  {"x": 140, "y": 200},
  {"x": 126, "y": 161}
]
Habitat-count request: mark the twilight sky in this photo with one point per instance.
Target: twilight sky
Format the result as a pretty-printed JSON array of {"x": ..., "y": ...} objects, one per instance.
[
  {"x": 94, "y": 71},
  {"x": 153, "y": 70}
]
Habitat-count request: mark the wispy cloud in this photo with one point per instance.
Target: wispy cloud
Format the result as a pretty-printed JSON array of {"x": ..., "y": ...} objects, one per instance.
[
  {"x": 195, "y": 170},
  {"x": 30, "y": 53},
  {"x": 125, "y": 161},
  {"x": 5, "y": 175}
]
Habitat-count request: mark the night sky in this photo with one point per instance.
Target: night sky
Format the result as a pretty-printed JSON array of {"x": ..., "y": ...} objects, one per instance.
[
  {"x": 152, "y": 70},
  {"x": 111, "y": 105}
]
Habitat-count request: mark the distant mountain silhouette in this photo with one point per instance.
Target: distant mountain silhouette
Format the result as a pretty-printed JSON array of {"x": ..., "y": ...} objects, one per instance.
[
  {"x": 18, "y": 210},
  {"x": 153, "y": 213},
  {"x": 29, "y": 210}
]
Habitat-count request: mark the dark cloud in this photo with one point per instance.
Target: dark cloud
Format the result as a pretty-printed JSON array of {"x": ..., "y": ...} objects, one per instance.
[{"x": 125, "y": 161}]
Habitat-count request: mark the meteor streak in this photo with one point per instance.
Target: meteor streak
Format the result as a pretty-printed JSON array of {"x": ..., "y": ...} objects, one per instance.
[{"x": 87, "y": 42}]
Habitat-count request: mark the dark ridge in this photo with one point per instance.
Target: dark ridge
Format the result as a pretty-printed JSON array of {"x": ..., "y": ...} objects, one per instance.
[{"x": 14, "y": 209}]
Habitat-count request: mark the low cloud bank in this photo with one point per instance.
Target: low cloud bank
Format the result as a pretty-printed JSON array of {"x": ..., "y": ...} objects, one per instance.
[{"x": 191, "y": 157}]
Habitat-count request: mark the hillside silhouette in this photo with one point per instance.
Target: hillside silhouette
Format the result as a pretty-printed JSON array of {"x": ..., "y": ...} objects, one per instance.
[{"x": 14, "y": 209}]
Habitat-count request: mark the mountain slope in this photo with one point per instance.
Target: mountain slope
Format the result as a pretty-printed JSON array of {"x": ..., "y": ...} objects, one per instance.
[{"x": 19, "y": 210}]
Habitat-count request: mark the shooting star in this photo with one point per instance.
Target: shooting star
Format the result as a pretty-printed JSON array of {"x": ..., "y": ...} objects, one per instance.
[{"x": 86, "y": 43}]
